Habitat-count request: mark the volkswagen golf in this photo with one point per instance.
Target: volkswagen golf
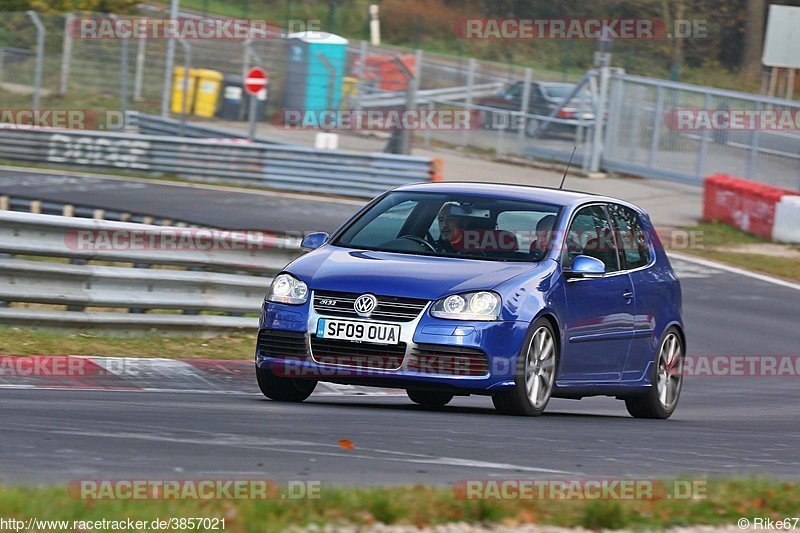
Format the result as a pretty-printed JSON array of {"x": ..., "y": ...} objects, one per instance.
[{"x": 515, "y": 292}]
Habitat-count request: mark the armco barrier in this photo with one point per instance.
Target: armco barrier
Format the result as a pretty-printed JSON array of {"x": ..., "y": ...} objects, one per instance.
[
  {"x": 219, "y": 289},
  {"x": 283, "y": 167},
  {"x": 747, "y": 205}
]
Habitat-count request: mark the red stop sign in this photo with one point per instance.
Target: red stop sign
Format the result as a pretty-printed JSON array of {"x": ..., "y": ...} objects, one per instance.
[{"x": 255, "y": 80}]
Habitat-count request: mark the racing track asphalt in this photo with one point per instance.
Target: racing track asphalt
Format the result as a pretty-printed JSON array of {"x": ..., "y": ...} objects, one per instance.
[
  {"x": 723, "y": 426},
  {"x": 217, "y": 207}
]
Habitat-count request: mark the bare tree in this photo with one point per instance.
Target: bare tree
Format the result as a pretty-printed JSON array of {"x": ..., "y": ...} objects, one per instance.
[{"x": 753, "y": 38}]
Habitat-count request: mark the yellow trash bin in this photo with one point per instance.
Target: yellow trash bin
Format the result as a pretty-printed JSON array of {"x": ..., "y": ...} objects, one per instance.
[
  {"x": 349, "y": 90},
  {"x": 177, "y": 90},
  {"x": 207, "y": 89}
]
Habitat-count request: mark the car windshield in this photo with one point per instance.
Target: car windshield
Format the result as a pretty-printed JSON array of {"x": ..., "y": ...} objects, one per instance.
[{"x": 454, "y": 225}]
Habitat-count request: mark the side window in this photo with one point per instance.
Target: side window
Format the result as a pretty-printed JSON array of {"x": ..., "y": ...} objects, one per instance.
[
  {"x": 533, "y": 229},
  {"x": 385, "y": 227},
  {"x": 516, "y": 90},
  {"x": 631, "y": 236},
  {"x": 590, "y": 234}
]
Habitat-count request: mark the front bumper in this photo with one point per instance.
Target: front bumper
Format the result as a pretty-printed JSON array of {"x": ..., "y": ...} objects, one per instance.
[{"x": 500, "y": 341}]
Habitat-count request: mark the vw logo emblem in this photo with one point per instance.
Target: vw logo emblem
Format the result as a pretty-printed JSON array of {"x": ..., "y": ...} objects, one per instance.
[{"x": 365, "y": 304}]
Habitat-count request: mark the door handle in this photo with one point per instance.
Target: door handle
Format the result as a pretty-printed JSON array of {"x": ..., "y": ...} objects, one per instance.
[{"x": 628, "y": 295}]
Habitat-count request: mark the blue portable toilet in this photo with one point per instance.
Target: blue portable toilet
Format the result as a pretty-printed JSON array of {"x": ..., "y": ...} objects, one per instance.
[{"x": 315, "y": 60}]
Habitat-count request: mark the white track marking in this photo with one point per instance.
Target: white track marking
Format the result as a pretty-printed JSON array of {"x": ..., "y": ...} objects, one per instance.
[{"x": 735, "y": 270}]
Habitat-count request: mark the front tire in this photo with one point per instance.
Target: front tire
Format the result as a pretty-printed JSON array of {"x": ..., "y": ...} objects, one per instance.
[
  {"x": 283, "y": 389},
  {"x": 536, "y": 374},
  {"x": 662, "y": 397},
  {"x": 429, "y": 398}
]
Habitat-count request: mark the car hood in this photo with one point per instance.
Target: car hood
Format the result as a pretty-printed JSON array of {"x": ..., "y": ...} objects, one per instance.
[{"x": 413, "y": 276}]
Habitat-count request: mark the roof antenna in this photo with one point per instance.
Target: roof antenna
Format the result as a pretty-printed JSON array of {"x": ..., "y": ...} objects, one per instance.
[{"x": 564, "y": 178}]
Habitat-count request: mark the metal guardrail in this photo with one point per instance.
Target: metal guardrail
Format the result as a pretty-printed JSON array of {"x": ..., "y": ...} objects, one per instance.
[
  {"x": 381, "y": 99},
  {"x": 149, "y": 296},
  {"x": 155, "y": 125},
  {"x": 284, "y": 167}
]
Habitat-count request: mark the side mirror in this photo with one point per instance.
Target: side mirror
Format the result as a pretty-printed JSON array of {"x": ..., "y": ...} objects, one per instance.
[
  {"x": 585, "y": 267},
  {"x": 312, "y": 241}
]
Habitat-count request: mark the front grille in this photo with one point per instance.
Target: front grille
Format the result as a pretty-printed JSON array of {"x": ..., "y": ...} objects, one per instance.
[
  {"x": 358, "y": 354},
  {"x": 282, "y": 344},
  {"x": 447, "y": 360},
  {"x": 389, "y": 308}
]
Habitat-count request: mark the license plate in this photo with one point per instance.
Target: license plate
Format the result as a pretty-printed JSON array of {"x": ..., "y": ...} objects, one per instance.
[{"x": 351, "y": 330}]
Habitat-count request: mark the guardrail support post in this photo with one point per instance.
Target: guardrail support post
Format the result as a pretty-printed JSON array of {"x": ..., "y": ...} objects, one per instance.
[
  {"x": 37, "y": 76},
  {"x": 66, "y": 54}
]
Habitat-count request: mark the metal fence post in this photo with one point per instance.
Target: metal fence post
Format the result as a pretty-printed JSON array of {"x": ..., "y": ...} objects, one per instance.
[
  {"x": 187, "y": 66},
  {"x": 411, "y": 101},
  {"x": 470, "y": 83},
  {"x": 123, "y": 76},
  {"x": 123, "y": 73},
  {"x": 752, "y": 161},
  {"x": 524, "y": 108},
  {"x": 657, "y": 121},
  {"x": 139, "y": 75},
  {"x": 66, "y": 54},
  {"x": 362, "y": 69},
  {"x": 703, "y": 149},
  {"x": 170, "y": 61},
  {"x": 37, "y": 81},
  {"x": 245, "y": 58},
  {"x": 427, "y": 132},
  {"x": 599, "y": 118}
]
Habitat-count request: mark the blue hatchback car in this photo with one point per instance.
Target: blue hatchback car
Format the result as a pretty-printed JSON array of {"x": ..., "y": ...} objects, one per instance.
[{"x": 444, "y": 289}]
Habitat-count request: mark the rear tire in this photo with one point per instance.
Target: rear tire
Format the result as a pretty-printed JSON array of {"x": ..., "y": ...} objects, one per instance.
[
  {"x": 662, "y": 397},
  {"x": 537, "y": 368},
  {"x": 283, "y": 389},
  {"x": 429, "y": 398}
]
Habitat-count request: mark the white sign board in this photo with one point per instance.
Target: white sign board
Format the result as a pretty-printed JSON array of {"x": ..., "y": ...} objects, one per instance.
[{"x": 782, "y": 45}]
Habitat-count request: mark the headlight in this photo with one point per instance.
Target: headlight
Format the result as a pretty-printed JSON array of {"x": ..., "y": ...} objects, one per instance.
[
  {"x": 287, "y": 289},
  {"x": 481, "y": 305}
]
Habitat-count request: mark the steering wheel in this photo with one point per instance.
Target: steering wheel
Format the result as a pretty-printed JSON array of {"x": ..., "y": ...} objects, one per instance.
[{"x": 420, "y": 240}]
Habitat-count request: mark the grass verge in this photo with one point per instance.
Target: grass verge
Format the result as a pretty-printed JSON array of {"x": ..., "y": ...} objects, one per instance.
[
  {"x": 726, "y": 501},
  {"x": 18, "y": 341},
  {"x": 726, "y": 244}
]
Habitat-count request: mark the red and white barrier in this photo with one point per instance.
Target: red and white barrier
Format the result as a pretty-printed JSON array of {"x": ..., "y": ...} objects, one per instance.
[
  {"x": 787, "y": 220},
  {"x": 763, "y": 210}
]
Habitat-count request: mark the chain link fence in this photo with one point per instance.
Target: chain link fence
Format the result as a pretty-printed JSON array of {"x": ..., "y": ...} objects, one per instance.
[{"x": 636, "y": 137}]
